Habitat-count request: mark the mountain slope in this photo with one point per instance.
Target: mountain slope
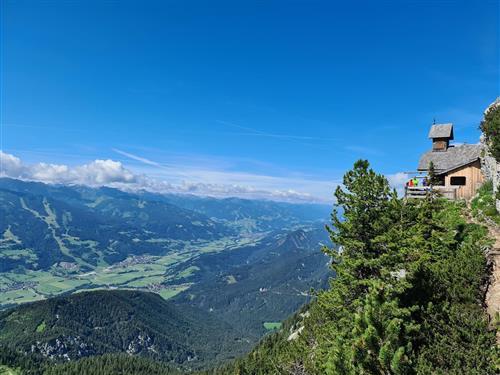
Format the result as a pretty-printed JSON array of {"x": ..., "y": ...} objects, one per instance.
[
  {"x": 42, "y": 225},
  {"x": 99, "y": 322},
  {"x": 262, "y": 283}
]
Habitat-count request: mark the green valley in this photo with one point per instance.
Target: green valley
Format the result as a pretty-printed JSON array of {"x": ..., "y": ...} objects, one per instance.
[{"x": 105, "y": 239}]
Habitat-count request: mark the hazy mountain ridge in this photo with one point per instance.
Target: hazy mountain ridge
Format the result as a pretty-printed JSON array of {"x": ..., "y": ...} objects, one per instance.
[{"x": 263, "y": 215}]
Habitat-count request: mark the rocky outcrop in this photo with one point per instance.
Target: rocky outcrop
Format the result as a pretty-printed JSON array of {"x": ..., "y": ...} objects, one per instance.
[
  {"x": 489, "y": 166},
  {"x": 491, "y": 169},
  {"x": 63, "y": 347}
]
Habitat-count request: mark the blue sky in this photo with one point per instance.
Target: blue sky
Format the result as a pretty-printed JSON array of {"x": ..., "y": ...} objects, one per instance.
[{"x": 255, "y": 97}]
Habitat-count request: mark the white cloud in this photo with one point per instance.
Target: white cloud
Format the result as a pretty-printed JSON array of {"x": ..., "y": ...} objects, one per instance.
[
  {"x": 180, "y": 180},
  {"x": 221, "y": 190},
  {"x": 55, "y": 173},
  {"x": 11, "y": 166},
  {"x": 96, "y": 173},
  {"x": 103, "y": 172},
  {"x": 397, "y": 181}
]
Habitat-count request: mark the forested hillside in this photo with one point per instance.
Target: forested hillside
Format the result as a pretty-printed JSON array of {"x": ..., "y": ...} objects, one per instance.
[
  {"x": 85, "y": 227},
  {"x": 255, "y": 285},
  {"x": 120, "y": 321},
  {"x": 407, "y": 297},
  {"x": 108, "y": 364}
]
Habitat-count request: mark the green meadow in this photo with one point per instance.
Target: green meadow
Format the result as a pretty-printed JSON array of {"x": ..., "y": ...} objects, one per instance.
[
  {"x": 157, "y": 274},
  {"x": 272, "y": 325}
]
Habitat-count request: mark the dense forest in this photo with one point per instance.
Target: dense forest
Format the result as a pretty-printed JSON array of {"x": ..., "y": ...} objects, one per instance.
[
  {"x": 119, "y": 321},
  {"x": 31, "y": 364},
  {"x": 407, "y": 297}
]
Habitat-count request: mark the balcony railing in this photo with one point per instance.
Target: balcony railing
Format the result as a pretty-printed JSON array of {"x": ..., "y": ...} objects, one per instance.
[{"x": 420, "y": 192}]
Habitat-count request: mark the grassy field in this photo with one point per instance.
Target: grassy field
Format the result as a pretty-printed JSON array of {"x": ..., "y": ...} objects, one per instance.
[
  {"x": 145, "y": 281},
  {"x": 41, "y": 327},
  {"x": 172, "y": 291},
  {"x": 187, "y": 272},
  {"x": 4, "y": 370},
  {"x": 272, "y": 325}
]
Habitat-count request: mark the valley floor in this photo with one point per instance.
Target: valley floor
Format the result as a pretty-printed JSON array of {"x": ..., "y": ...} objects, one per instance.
[{"x": 144, "y": 272}]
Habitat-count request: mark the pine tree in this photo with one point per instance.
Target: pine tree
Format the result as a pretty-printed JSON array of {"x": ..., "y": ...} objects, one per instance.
[
  {"x": 367, "y": 206},
  {"x": 490, "y": 126},
  {"x": 382, "y": 334},
  {"x": 432, "y": 178}
]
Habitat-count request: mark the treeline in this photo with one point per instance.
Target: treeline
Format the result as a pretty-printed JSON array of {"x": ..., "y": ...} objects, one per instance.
[
  {"x": 112, "y": 364},
  {"x": 28, "y": 364},
  {"x": 108, "y": 364},
  {"x": 407, "y": 297}
]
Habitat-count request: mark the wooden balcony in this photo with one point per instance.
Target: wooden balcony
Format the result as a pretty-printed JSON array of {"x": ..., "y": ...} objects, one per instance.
[{"x": 419, "y": 192}]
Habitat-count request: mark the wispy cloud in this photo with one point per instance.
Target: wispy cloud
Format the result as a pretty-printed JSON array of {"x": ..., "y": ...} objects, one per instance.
[
  {"x": 137, "y": 158},
  {"x": 212, "y": 179},
  {"x": 256, "y": 132},
  {"x": 362, "y": 150},
  {"x": 160, "y": 178},
  {"x": 40, "y": 127}
]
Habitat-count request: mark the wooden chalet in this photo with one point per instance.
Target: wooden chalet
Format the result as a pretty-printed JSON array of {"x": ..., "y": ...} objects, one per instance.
[{"x": 457, "y": 167}]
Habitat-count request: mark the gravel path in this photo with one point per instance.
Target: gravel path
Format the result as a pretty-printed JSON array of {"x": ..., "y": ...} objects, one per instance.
[{"x": 492, "y": 299}]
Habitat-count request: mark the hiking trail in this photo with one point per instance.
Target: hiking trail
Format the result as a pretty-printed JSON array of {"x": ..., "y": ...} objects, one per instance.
[{"x": 492, "y": 298}]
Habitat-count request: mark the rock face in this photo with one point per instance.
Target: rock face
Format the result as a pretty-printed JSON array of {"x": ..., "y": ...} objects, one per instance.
[
  {"x": 63, "y": 348},
  {"x": 491, "y": 170},
  {"x": 489, "y": 166}
]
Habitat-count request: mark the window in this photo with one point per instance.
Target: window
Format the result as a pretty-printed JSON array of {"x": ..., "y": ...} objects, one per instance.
[{"x": 457, "y": 181}]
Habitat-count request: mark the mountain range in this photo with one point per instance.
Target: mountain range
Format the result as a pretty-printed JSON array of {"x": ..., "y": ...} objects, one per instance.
[{"x": 190, "y": 281}]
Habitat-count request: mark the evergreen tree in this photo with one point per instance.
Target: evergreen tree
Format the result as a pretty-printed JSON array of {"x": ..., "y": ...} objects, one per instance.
[
  {"x": 382, "y": 334},
  {"x": 406, "y": 296},
  {"x": 490, "y": 127},
  {"x": 432, "y": 178},
  {"x": 366, "y": 204}
]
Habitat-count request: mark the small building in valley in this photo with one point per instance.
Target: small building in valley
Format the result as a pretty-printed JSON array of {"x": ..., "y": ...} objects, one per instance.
[{"x": 457, "y": 167}]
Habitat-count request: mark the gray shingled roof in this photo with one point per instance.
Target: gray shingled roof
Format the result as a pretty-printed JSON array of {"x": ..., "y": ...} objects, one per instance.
[
  {"x": 441, "y": 131},
  {"x": 454, "y": 157}
]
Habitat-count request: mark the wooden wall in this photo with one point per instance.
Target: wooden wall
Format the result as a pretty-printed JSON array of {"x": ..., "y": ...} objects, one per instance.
[
  {"x": 474, "y": 179},
  {"x": 439, "y": 144}
]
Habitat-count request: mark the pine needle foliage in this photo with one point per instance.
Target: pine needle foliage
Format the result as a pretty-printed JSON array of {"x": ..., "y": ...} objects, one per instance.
[{"x": 490, "y": 126}]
